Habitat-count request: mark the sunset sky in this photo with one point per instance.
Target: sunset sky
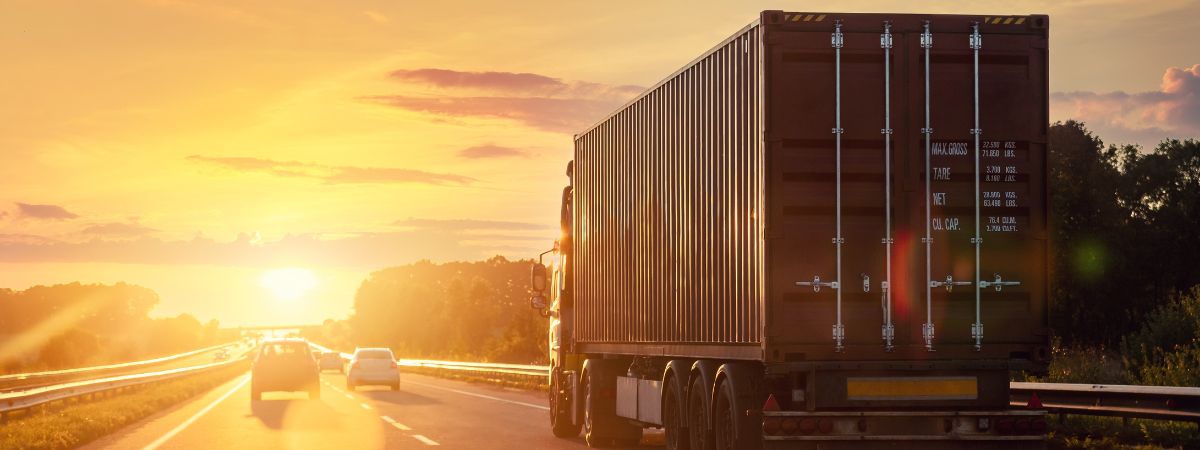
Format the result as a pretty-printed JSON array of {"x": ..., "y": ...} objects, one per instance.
[{"x": 191, "y": 146}]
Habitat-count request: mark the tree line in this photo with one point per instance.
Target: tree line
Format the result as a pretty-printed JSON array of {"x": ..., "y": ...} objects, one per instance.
[{"x": 76, "y": 325}]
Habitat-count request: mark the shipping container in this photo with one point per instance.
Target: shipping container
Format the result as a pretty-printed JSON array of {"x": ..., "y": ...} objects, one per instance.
[{"x": 852, "y": 206}]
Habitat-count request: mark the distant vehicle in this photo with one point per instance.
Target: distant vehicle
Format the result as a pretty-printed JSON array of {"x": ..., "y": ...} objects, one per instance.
[
  {"x": 221, "y": 355},
  {"x": 373, "y": 366},
  {"x": 331, "y": 361},
  {"x": 285, "y": 365}
]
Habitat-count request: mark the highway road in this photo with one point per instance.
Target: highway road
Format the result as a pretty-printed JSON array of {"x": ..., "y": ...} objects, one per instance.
[{"x": 427, "y": 411}]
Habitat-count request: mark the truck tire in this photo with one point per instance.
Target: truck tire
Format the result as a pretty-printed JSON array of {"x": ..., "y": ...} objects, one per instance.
[
  {"x": 601, "y": 426},
  {"x": 729, "y": 430},
  {"x": 737, "y": 393},
  {"x": 674, "y": 416},
  {"x": 561, "y": 422},
  {"x": 699, "y": 436}
]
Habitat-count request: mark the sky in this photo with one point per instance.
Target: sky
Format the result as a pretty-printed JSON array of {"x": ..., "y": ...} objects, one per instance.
[{"x": 193, "y": 146}]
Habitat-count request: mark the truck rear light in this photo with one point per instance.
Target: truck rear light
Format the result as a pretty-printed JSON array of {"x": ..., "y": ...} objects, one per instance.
[
  {"x": 1021, "y": 426},
  {"x": 825, "y": 426},
  {"x": 1037, "y": 426},
  {"x": 807, "y": 426},
  {"x": 771, "y": 425},
  {"x": 788, "y": 426},
  {"x": 1004, "y": 426},
  {"x": 984, "y": 424}
]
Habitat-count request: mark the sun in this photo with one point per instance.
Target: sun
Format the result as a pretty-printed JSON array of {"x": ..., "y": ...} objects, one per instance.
[{"x": 288, "y": 283}]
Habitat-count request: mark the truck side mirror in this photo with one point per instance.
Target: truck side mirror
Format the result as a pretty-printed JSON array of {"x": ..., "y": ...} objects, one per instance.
[
  {"x": 537, "y": 301},
  {"x": 537, "y": 279}
]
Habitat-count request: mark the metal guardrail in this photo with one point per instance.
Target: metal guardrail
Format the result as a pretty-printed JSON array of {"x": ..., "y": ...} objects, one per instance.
[
  {"x": 23, "y": 400},
  {"x": 494, "y": 368},
  {"x": 21, "y": 381},
  {"x": 1145, "y": 402},
  {"x": 1142, "y": 402}
]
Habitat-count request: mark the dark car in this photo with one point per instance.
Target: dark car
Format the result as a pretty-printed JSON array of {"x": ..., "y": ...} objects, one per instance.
[{"x": 285, "y": 365}]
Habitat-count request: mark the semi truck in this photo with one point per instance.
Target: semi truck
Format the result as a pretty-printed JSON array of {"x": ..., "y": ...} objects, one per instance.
[{"x": 828, "y": 231}]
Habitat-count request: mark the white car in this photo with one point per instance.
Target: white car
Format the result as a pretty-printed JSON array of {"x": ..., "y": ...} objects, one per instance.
[{"x": 373, "y": 366}]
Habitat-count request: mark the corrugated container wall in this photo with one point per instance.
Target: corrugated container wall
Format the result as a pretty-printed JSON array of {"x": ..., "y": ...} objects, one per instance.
[
  {"x": 667, "y": 202},
  {"x": 704, "y": 206}
]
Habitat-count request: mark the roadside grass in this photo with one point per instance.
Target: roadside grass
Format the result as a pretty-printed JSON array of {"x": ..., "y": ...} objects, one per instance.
[
  {"x": 1090, "y": 432},
  {"x": 71, "y": 424}
]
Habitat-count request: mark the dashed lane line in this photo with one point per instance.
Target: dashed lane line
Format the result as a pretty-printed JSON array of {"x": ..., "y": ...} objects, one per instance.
[
  {"x": 531, "y": 405},
  {"x": 174, "y": 431},
  {"x": 396, "y": 424},
  {"x": 365, "y": 406},
  {"x": 425, "y": 440}
]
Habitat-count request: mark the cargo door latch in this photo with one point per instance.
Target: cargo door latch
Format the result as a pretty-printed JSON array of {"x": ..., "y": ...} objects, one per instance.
[
  {"x": 816, "y": 283},
  {"x": 998, "y": 283},
  {"x": 949, "y": 284}
]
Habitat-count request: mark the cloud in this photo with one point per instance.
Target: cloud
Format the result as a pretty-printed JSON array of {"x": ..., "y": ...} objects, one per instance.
[
  {"x": 490, "y": 151},
  {"x": 118, "y": 230},
  {"x": 359, "y": 250},
  {"x": 47, "y": 212},
  {"x": 377, "y": 17},
  {"x": 332, "y": 174},
  {"x": 549, "y": 114},
  {"x": 1140, "y": 117},
  {"x": 497, "y": 81},
  {"x": 469, "y": 224},
  {"x": 538, "y": 101}
]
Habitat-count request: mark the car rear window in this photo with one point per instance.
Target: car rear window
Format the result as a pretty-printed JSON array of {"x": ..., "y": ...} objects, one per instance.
[
  {"x": 285, "y": 349},
  {"x": 375, "y": 354}
]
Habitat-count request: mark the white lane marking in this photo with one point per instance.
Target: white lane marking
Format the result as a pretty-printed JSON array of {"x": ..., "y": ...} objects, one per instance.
[
  {"x": 531, "y": 405},
  {"x": 174, "y": 431},
  {"x": 351, "y": 397},
  {"x": 425, "y": 440},
  {"x": 395, "y": 423},
  {"x": 364, "y": 406}
]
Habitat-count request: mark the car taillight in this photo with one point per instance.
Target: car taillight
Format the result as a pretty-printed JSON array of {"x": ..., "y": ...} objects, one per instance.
[
  {"x": 355, "y": 365},
  {"x": 394, "y": 364}
]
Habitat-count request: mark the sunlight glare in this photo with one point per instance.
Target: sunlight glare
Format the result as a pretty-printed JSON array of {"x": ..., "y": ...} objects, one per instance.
[{"x": 288, "y": 283}]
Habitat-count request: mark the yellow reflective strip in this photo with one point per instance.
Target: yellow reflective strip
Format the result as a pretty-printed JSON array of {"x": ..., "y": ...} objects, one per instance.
[
  {"x": 1008, "y": 21},
  {"x": 1020, "y": 20},
  {"x": 808, "y": 18},
  {"x": 986, "y": 19},
  {"x": 796, "y": 18},
  {"x": 997, "y": 21},
  {"x": 820, "y": 17},
  {"x": 899, "y": 388}
]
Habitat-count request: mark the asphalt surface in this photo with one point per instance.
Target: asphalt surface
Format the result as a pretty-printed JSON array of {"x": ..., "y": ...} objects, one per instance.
[{"x": 427, "y": 411}]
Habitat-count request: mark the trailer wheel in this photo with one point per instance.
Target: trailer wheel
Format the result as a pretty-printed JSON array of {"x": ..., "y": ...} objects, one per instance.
[
  {"x": 699, "y": 436},
  {"x": 590, "y": 406},
  {"x": 673, "y": 417},
  {"x": 561, "y": 422},
  {"x": 726, "y": 420}
]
